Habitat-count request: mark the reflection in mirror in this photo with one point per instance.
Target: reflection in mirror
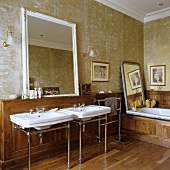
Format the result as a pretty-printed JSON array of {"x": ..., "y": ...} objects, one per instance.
[
  {"x": 49, "y": 54},
  {"x": 132, "y": 85}
]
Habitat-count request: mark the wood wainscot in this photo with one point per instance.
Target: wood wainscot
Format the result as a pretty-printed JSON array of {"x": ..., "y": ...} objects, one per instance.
[
  {"x": 14, "y": 144},
  {"x": 147, "y": 129},
  {"x": 162, "y": 98}
]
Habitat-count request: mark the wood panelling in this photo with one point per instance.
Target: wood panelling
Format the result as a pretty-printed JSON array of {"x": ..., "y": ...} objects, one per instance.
[
  {"x": 151, "y": 130},
  {"x": 14, "y": 142},
  {"x": 162, "y": 98},
  {"x": 132, "y": 98}
]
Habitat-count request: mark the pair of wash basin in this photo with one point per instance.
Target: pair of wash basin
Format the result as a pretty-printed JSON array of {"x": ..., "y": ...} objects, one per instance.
[
  {"x": 40, "y": 120},
  {"x": 49, "y": 118},
  {"x": 88, "y": 111}
]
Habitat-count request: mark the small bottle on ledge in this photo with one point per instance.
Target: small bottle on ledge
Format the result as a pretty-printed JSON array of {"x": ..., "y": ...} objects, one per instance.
[
  {"x": 39, "y": 92},
  {"x": 35, "y": 93}
]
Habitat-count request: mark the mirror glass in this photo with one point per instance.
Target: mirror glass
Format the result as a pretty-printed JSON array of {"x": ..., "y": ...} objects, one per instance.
[
  {"x": 49, "y": 55},
  {"x": 132, "y": 85}
]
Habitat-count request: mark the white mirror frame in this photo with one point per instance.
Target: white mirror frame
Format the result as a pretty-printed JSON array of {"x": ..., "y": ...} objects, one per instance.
[{"x": 25, "y": 54}]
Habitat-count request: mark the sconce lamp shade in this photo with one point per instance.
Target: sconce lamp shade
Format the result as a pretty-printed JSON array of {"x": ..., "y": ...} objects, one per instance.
[
  {"x": 9, "y": 40},
  {"x": 91, "y": 53}
]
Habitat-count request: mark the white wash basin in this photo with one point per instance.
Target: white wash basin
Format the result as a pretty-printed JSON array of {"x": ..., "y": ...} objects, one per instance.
[
  {"x": 40, "y": 120},
  {"x": 88, "y": 111}
]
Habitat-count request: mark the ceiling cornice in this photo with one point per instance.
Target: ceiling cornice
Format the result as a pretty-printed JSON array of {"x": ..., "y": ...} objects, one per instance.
[
  {"x": 124, "y": 9},
  {"x": 157, "y": 15},
  {"x": 135, "y": 13}
]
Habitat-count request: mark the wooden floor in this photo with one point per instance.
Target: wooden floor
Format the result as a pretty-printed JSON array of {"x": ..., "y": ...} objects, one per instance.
[{"x": 136, "y": 155}]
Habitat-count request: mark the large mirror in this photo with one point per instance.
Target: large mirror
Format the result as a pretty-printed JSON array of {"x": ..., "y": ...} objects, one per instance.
[
  {"x": 49, "y": 55},
  {"x": 132, "y": 85}
]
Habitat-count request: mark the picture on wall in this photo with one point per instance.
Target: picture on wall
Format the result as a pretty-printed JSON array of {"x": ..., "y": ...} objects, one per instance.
[
  {"x": 99, "y": 71},
  {"x": 51, "y": 91},
  {"x": 134, "y": 78},
  {"x": 157, "y": 75}
]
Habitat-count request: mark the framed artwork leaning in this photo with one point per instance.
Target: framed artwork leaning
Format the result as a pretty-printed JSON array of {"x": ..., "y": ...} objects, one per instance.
[{"x": 134, "y": 78}]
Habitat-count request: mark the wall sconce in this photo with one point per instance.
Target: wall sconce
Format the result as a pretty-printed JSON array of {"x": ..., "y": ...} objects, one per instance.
[
  {"x": 90, "y": 52},
  {"x": 9, "y": 40}
]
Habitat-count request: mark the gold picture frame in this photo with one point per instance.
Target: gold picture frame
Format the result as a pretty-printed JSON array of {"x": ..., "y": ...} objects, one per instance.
[{"x": 99, "y": 71}]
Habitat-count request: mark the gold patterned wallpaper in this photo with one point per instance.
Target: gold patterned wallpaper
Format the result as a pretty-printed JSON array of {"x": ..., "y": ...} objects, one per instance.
[
  {"x": 157, "y": 49},
  {"x": 114, "y": 36}
]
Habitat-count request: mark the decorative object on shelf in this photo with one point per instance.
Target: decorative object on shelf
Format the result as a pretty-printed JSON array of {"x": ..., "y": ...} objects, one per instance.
[
  {"x": 85, "y": 89},
  {"x": 9, "y": 40},
  {"x": 150, "y": 103},
  {"x": 158, "y": 75},
  {"x": 13, "y": 96},
  {"x": 89, "y": 53},
  {"x": 31, "y": 96},
  {"x": 134, "y": 78},
  {"x": 153, "y": 103},
  {"x": 136, "y": 103},
  {"x": 101, "y": 92},
  {"x": 51, "y": 90},
  {"x": 99, "y": 71},
  {"x": 39, "y": 92}
]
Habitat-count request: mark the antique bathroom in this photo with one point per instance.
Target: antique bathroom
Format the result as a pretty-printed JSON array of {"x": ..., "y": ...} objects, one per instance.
[{"x": 99, "y": 34}]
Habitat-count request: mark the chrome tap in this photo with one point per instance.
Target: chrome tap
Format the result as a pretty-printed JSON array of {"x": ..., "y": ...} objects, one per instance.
[
  {"x": 82, "y": 105},
  {"x": 31, "y": 111},
  {"x": 78, "y": 105},
  {"x": 42, "y": 110}
]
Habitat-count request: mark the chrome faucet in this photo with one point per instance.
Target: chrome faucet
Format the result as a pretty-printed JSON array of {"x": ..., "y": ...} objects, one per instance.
[
  {"x": 82, "y": 105},
  {"x": 42, "y": 110},
  {"x": 78, "y": 105},
  {"x": 31, "y": 111}
]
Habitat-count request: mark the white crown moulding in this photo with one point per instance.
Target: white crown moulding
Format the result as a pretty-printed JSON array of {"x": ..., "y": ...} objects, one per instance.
[
  {"x": 157, "y": 15},
  {"x": 135, "y": 13}
]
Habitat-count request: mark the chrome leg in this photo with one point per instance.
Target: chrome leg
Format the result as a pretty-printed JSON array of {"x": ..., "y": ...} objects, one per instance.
[
  {"x": 99, "y": 129},
  {"x": 119, "y": 126},
  {"x": 80, "y": 142},
  {"x": 105, "y": 133},
  {"x": 29, "y": 151},
  {"x": 68, "y": 144}
]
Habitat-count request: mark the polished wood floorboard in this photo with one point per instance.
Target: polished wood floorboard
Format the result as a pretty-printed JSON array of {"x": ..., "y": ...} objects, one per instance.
[{"x": 136, "y": 155}]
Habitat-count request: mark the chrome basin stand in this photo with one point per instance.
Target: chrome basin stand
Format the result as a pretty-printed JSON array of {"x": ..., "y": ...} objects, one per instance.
[
  {"x": 30, "y": 132},
  {"x": 80, "y": 123}
]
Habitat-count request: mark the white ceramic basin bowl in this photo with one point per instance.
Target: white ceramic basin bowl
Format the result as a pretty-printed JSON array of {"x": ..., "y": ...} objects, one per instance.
[
  {"x": 40, "y": 120},
  {"x": 88, "y": 111}
]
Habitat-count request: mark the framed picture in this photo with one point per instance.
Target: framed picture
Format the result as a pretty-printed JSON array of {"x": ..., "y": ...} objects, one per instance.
[
  {"x": 99, "y": 71},
  {"x": 85, "y": 89},
  {"x": 157, "y": 75},
  {"x": 51, "y": 90},
  {"x": 134, "y": 78}
]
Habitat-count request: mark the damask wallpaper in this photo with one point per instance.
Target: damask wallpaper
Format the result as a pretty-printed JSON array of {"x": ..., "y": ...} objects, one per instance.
[{"x": 114, "y": 36}]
